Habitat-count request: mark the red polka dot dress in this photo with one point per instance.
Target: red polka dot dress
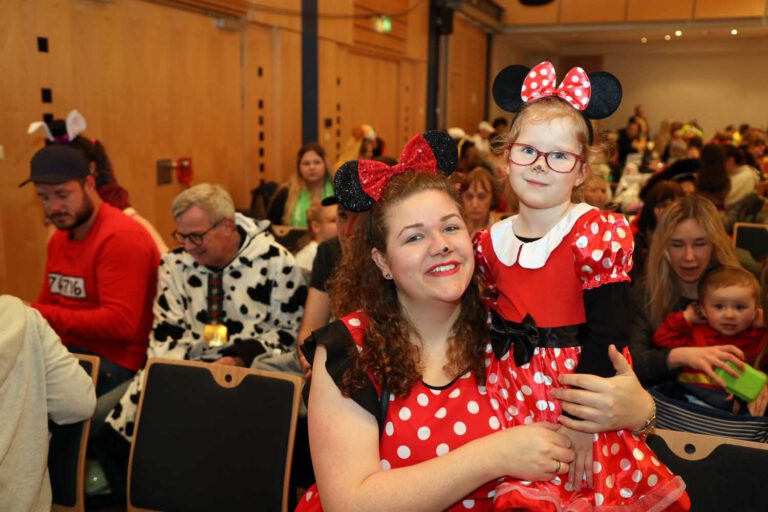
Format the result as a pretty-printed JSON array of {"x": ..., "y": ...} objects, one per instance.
[
  {"x": 429, "y": 422},
  {"x": 539, "y": 288}
]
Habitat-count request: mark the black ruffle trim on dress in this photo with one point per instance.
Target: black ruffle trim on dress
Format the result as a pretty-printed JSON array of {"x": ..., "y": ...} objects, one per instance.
[{"x": 340, "y": 346}]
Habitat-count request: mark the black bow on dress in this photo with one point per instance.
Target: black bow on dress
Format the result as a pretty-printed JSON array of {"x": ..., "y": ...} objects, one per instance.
[{"x": 523, "y": 335}]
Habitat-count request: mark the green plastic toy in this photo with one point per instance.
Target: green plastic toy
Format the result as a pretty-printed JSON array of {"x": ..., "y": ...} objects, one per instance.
[{"x": 747, "y": 386}]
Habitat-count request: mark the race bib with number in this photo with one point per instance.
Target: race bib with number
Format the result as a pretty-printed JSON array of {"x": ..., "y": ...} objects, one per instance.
[{"x": 68, "y": 286}]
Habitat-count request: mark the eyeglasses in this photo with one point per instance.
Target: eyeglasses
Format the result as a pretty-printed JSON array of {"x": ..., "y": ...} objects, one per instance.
[
  {"x": 194, "y": 238},
  {"x": 559, "y": 161}
]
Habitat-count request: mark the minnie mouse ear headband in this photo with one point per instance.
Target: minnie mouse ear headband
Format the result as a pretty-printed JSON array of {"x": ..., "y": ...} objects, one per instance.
[
  {"x": 59, "y": 131},
  {"x": 595, "y": 95},
  {"x": 358, "y": 183}
]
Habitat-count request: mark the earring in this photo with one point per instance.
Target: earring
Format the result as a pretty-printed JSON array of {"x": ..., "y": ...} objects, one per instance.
[{"x": 387, "y": 276}]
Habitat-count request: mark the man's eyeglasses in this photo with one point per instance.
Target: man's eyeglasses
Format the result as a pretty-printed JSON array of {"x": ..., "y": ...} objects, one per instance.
[
  {"x": 194, "y": 238},
  {"x": 559, "y": 161}
]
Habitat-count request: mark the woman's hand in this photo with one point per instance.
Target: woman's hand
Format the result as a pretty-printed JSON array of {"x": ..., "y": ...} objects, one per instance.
[
  {"x": 604, "y": 404},
  {"x": 706, "y": 359},
  {"x": 532, "y": 452}
]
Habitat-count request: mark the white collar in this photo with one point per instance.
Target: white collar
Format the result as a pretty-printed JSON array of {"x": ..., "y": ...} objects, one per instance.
[{"x": 510, "y": 250}]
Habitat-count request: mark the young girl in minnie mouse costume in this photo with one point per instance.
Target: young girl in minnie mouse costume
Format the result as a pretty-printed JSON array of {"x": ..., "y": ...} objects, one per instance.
[{"x": 558, "y": 275}]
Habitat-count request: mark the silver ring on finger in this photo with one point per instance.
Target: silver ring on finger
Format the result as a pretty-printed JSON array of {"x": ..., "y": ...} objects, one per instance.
[{"x": 557, "y": 469}]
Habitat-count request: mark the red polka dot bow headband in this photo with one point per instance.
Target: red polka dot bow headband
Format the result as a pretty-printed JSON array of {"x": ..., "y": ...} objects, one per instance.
[
  {"x": 358, "y": 184},
  {"x": 541, "y": 81},
  {"x": 595, "y": 95}
]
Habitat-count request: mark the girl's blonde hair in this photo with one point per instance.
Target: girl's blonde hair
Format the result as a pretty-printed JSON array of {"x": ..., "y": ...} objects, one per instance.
[
  {"x": 663, "y": 289},
  {"x": 296, "y": 184}
]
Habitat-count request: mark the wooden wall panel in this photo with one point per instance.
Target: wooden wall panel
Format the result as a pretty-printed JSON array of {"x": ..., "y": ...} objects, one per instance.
[
  {"x": 276, "y": 13},
  {"x": 333, "y": 106},
  {"x": 612, "y": 11},
  {"x": 335, "y": 28},
  {"x": 152, "y": 81},
  {"x": 369, "y": 82},
  {"x": 467, "y": 82},
  {"x": 707, "y": 9},
  {"x": 412, "y": 118},
  {"x": 287, "y": 119},
  {"x": 365, "y": 34},
  {"x": 593, "y": 11},
  {"x": 417, "y": 42},
  {"x": 659, "y": 10},
  {"x": 373, "y": 97},
  {"x": 234, "y": 8},
  {"x": 182, "y": 100},
  {"x": 272, "y": 110},
  {"x": 22, "y": 235}
]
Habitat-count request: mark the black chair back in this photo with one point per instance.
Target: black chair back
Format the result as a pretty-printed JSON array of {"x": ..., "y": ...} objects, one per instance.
[
  {"x": 290, "y": 237},
  {"x": 212, "y": 437},
  {"x": 752, "y": 238},
  {"x": 66, "y": 453},
  {"x": 720, "y": 473}
]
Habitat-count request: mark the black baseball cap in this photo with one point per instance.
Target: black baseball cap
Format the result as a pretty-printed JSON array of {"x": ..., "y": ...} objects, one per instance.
[
  {"x": 330, "y": 201},
  {"x": 57, "y": 164}
]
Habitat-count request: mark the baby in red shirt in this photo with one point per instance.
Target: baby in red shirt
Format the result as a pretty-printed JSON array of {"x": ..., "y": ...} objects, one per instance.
[{"x": 728, "y": 314}]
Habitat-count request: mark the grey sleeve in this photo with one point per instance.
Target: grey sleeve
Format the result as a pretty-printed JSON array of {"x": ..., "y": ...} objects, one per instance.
[{"x": 70, "y": 393}]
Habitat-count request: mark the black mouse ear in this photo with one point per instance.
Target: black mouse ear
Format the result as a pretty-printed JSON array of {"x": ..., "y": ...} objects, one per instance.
[
  {"x": 444, "y": 149},
  {"x": 507, "y": 87},
  {"x": 606, "y": 95},
  {"x": 346, "y": 185}
]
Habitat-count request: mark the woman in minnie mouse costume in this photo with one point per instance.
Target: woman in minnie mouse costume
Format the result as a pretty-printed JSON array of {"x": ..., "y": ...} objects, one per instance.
[
  {"x": 558, "y": 276},
  {"x": 399, "y": 417}
]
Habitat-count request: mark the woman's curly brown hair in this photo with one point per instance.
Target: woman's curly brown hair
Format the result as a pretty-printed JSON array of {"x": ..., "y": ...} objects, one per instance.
[{"x": 388, "y": 352}]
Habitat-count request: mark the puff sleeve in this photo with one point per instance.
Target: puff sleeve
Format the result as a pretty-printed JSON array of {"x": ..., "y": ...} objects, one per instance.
[
  {"x": 485, "y": 258},
  {"x": 339, "y": 338},
  {"x": 603, "y": 256},
  {"x": 602, "y": 247}
]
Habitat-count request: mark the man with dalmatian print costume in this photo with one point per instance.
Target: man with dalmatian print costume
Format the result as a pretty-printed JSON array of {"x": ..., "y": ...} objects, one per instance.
[{"x": 230, "y": 271}]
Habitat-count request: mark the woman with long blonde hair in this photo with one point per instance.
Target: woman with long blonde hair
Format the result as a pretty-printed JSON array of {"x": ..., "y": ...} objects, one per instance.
[
  {"x": 688, "y": 241},
  {"x": 310, "y": 185}
]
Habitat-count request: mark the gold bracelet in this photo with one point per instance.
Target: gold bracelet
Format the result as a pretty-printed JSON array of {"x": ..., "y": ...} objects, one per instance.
[{"x": 649, "y": 425}]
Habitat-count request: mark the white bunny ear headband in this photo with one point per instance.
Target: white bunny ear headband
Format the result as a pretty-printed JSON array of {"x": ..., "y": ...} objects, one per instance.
[{"x": 75, "y": 125}]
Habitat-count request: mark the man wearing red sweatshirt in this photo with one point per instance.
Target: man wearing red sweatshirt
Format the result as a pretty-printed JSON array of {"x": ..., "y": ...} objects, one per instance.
[{"x": 101, "y": 270}]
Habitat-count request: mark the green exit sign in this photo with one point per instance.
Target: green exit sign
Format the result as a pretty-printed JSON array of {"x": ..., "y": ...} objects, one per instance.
[{"x": 384, "y": 24}]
